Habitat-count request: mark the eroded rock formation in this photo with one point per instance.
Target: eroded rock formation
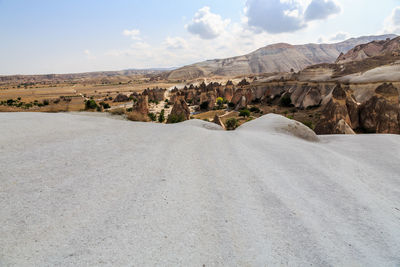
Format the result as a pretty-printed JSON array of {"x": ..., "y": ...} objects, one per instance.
[
  {"x": 180, "y": 111},
  {"x": 156, "y": 94},
  {"x": 142, "y": 104},
  {"x": 335, "y": 115},
  {"x": 380, "y": 114}
]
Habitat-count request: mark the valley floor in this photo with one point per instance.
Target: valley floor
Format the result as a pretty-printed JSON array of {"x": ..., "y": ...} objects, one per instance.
[{"x": 91, "y": 191}]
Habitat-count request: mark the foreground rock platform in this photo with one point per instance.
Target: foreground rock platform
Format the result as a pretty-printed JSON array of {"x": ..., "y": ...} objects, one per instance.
[{"x": 79, "y": 190}]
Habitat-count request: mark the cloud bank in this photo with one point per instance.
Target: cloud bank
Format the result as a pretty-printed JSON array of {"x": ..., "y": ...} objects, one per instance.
[
  {"x": 207, "y": 25},
  {"x": 321, "y": 9},
  {"x": 280, "y": 16},
  {"x": 392, "y": 23}
]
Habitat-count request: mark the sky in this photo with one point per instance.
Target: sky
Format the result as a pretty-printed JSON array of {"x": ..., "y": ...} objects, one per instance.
[{"x": 68, "y": 36}]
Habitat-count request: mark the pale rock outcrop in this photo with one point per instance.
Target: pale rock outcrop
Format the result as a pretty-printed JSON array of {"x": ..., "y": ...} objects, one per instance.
[{"x": 343, "y": 128}]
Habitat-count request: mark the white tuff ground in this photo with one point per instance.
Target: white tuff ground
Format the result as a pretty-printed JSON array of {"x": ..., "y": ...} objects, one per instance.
[{"x": 92, "y": 191}]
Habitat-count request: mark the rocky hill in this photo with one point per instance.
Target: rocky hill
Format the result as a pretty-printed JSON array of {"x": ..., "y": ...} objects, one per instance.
[
  {"x": 90, "y": 77},
  {"x": 272, "y": 58},
  {"x": 388, "y": 47},
  {"x": 376, "y": 61}
]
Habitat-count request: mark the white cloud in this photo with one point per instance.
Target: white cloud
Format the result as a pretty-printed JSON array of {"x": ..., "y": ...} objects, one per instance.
[
  {"x": 209, "y": 36},
  {"x": 274, "y": 16},
  {"x": 337, "y": 37},
  {"x": 392, "y": 23},
  {"x": 340, "y": 36},
  {"x": 280, "y": 16},
  {"x": 321, "y": 9},
  {"x": 133, "y": 34},
  {"x": 175, "y": 43},
  {"x": 207, "y": 25}
]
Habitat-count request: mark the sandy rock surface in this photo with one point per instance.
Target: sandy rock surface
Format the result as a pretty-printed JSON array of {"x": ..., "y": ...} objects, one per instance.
[{"x": 93, "y": 191}]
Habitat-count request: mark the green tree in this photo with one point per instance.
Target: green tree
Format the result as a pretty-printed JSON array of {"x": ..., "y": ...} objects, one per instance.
[
  {"x": 220, "y": 102},
  {"x": 91, "y": 104},
  {"x": 161, "y": 117},
  {"x": 231, "y": 124},
  {"x": 152, "y": 116},
  {"x": 244, "y": 113}
]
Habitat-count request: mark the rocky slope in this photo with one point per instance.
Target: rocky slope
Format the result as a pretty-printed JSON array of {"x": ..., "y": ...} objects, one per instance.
[
  {"x": 388, "y": 47},
  {"x": 273, "y": 58},
  {"x": 376, "y": 61}
]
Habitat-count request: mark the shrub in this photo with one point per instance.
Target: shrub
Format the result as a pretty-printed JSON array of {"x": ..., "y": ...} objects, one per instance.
[
  {"x": 244, "y": 113},
  {"x": 172, "y": 118},
  {"x": 290, "y": 117},
  {"x": 231, "y": 105},
  {"x": 255, "y": 109},
  {"x": 161, "y": 117},
  {"x": 286, "y": 101},
  {"x": 10, "y": 102},
  {"x": 105, "y": 105},
  {"x": 231, "y": 124},
  {"x": 152, "y": 116},
  {"x": 90, "y": 104}
]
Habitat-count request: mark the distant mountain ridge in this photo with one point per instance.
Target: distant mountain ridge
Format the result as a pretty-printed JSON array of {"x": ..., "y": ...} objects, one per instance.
[{"x": 279, "y": 57}]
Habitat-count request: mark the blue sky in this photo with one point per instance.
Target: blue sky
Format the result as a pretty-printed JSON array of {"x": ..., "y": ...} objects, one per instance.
[{"x": 47, "y": 36}]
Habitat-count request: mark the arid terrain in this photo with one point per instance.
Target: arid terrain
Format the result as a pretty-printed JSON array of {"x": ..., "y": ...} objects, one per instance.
[
  {"x": 356, "y": 92},
  {"x": 288, "y": 156}
]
